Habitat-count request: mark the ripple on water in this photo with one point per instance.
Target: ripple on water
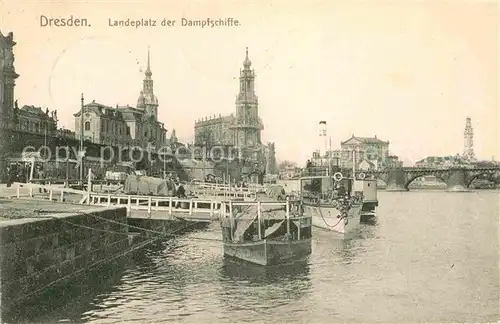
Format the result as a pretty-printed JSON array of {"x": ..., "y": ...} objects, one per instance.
[{"x": 430, "y": 257}]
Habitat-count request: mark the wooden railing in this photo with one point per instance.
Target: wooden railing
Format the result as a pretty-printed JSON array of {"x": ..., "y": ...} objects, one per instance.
[
  {"x": 290, "y": 207},
  {"x": 210, "y": 210},
  {"x": 170, "y": 206},
  {"x": 251, "y": 188},
  {"x": 222, "y": 194},
  {"x": 53, "y": 193},
  {"x": 291, "y": 213}
]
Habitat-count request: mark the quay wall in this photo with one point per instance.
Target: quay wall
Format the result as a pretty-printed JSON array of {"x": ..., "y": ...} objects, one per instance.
[
  {"x": 146, "y": 230},
  {"x": 36, "y": 254}
]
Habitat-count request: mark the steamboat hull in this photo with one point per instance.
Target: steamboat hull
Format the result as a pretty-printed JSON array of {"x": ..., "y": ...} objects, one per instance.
[
  {"x": 369, "y": 210},
  {"x": 325, "y": 217},
  {"x": 269, "y": 252}
]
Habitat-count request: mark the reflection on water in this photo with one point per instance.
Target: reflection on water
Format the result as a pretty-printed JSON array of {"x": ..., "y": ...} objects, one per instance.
[
  {"x": 70, "y": 301},
  {"x": 429, "y": 257},
  {"x": 262, "y": 287}
]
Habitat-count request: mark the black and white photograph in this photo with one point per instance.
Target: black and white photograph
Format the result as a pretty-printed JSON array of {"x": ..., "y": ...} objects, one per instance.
[{"x": 300, "y": 161}]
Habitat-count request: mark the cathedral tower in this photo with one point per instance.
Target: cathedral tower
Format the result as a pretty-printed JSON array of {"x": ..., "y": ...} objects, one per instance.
[
  {"x": 147, "y": 100},
  {"x": 469, "y": 141},
  {"x": 248, "y": 126}
]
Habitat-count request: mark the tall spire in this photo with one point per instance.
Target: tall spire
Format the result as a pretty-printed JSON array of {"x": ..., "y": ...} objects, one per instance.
[
  {"x": 247, "y": 63},
  {"x": 147, "y": 100},
  {"x": 148, "y": 69}
]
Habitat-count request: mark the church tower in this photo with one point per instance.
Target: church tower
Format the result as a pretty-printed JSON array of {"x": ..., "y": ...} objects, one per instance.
[
  {"x": 147, "y": 100},
  {"x": 8, "y": 78},
  {"x": 248, "y": 126},
  {"x": 469, "y": 141}
]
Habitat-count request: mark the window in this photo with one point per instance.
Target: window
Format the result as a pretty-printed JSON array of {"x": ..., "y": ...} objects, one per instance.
[
  {"x": 128, "y": 130},
  {"x": 87, "y": 125}
]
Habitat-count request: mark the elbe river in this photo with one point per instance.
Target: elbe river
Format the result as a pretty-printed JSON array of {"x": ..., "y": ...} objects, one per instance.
[{"x": 431, "y": 256}]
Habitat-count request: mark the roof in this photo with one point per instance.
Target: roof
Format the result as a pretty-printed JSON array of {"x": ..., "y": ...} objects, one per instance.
[
  {"x": 364, "y": 140},
  {"x": 32, "y": 110},
  {"x": 215, "y": 120},
  {"x": 126, "y": 113},
  {"x": 370, "y": 163}
]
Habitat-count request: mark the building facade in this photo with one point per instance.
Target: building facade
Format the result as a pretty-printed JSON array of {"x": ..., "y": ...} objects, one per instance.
[
  {"x": 125, "y": 125},
  {"x": 28, "y": 119},
  {"x": 366, "y": 148},
  {"x": 214, "y": 131},
  {"x": 8, "y": 78},
  {"x": 370, "y": 154},
  {"x": 33, "y": 119}
]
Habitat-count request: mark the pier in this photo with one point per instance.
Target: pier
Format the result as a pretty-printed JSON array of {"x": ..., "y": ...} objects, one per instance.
[{"x": 49, "y": 238}]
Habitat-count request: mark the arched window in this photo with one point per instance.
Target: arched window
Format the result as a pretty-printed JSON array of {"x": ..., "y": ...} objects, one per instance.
[{"x": 87, "y": 125}]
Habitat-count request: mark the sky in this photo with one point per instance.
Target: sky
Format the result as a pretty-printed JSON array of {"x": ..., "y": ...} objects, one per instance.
[{"x": 408, "y": 72}]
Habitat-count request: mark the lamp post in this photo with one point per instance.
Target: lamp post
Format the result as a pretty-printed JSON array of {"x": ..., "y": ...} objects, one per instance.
[
  {"x": 164, "y": 164},
  {"x": 45, "y": 132},
  {"x": 81, "y": 140}
]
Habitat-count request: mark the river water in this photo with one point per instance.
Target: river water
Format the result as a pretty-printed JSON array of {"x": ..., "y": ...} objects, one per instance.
[{"x": 431, "y": 256}]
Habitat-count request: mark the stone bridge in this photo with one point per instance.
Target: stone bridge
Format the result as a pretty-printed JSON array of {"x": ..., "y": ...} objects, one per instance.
[{"x": 456, "y": 179}]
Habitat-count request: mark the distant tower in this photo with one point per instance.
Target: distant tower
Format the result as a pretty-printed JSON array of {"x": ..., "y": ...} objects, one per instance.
[
  {"x": 468, "y": 141},
  {"x": 173, "y": 137},
  {"x": 147, "y": 100}
]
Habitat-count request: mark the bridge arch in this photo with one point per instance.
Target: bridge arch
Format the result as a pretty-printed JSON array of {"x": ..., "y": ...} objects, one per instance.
[
  {"x": 476, "y": 175},
  {"x": 412, "y": 178}
]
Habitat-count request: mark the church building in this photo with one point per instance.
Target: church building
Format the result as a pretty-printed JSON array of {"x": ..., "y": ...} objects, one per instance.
[
  {"x": 125, "y": 125},
  {"x": 242, "y": 130}
]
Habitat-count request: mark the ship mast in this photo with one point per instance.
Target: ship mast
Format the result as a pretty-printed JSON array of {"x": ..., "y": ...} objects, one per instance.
[
  {"x": 353, "y": 165},
  {"x": 322, "y": 133}
]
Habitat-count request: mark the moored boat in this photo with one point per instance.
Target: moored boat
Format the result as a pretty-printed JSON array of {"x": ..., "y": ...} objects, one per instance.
[
  {"x": 266, "y": 232},
  {"x": 329, "y": 202},
  {"x": 368, "y": 189}
]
